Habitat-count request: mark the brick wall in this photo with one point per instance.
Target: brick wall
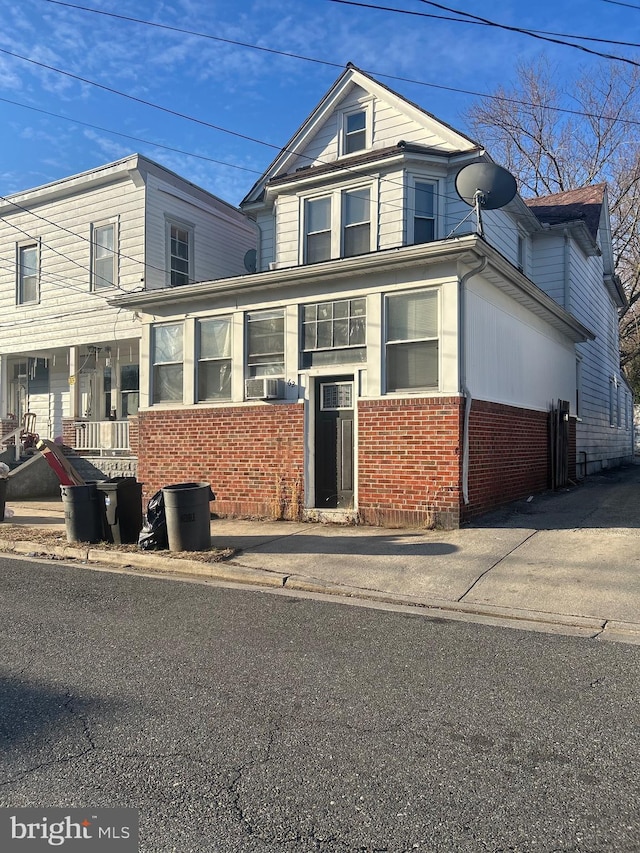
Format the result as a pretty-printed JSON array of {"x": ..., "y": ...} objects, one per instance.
[
  {"x": 508, "y": 455},
  {"x": 253, "y": 456},
  {"x": 409, "y": 461}
]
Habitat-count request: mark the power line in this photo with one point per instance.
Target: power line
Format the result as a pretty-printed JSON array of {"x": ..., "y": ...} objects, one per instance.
[
  {"x": 486, "y": 22},
  {"x": 618, "y": 3}
]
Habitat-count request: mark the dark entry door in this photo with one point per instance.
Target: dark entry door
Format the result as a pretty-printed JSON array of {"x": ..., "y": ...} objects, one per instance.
[{"x": 334, "y": 442}]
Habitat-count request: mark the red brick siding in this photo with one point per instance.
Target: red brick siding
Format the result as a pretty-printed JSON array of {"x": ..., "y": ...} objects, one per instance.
[
  {"x": 508, "y": 455},
  {"x": 409, "y": 454},
  {"x": 253, "y": 456},
  {"x": 134, "y": 442}
]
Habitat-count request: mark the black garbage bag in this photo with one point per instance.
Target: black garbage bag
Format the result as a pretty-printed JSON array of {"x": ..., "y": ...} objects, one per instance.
[{"x": 153, "y": 536}]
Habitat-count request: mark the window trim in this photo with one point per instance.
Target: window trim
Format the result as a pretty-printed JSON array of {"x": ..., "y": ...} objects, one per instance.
[
  {"x": 395, "y": 342},
  {"x": 411, "y": 216},
  {"x": 96, "y": 226},
  {"x": 228, "y": 318},
  {"x": 189, "y": 227},
  {"x": 22, "y": 246},
  {"x": 154, "y": 363},
  {"x": 337, "y": 195},
  {"x": 365, "y": 106}
]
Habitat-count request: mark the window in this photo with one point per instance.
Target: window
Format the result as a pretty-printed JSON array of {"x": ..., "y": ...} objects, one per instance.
[
  {"x": 28, "y": 284},
  {"x": 412, "y": 341},
  {"x": 265, "y": 343},
  {"x": 129, "y": 389},
  {"x": 424, "y": 217},
  {"x": 334, "y": 332},
  {"x": 357, "y": 227},
  {"x": 180, "y": 254},
  {"x": 355, "y": 132},
  {"x": 317, "y": 229},
  {"x": 167, "y": 363},
  {"x": 214, "y": 359},
  {"x": 337, "y": 225},
  {"x": 103, "y": 262},
  {"x": 612, "y": 401}
]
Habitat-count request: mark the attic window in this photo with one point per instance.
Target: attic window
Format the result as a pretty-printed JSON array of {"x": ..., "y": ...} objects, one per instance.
[{"x": 355, "y": 132}]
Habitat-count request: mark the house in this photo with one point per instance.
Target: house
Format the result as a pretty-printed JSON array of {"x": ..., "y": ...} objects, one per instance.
[
  {"x": 391, "y": 359},
  {"x": 66, "y": 247}
]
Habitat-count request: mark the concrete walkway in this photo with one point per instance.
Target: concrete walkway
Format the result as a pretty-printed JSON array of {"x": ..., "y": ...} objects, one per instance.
[{"x": 566, "y": 562}]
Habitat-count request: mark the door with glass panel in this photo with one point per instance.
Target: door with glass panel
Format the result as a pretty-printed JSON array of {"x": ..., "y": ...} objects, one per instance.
[{"x": 334, "y": 442}]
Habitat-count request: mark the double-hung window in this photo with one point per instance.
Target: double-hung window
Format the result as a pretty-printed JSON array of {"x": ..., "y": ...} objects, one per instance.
[
  {"x": 317, "y": 213},
  {"x": 355, "y": 131},
  {"x": 356, "y": 239},
  {"x": 214, "y": 359},
  {"x": 265, "y": 343},
  {"x": 412, "y": 341},
  {"x": 180, "y": 246},
  {"x": 103, "y": 261},
  {"x": 167, "y": 349},
  {"x": 28, "y": 285},
  {"x": 424, "y": 212},
  {"x": 337, "y": 225}
]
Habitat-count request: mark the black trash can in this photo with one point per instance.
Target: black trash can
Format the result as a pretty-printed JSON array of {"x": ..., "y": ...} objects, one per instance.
[
  {"x": 188, "y": 516},
  {"x": 123, "y": 509},
  {"x": 3, "y": 496},
  {"x": 83, "y": 513}
]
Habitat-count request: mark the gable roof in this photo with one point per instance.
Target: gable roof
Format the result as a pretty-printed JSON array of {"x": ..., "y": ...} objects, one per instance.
[
  {"x": 584, "y": 204},
  {"x": 453, "y": 140}
]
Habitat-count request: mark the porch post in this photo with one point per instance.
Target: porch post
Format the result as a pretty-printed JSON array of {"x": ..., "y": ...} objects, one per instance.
[{"x": 74, "y": 380}]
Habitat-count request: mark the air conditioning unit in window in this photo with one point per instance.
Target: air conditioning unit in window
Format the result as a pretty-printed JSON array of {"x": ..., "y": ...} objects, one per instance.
[{"x": 263, "y": 388}]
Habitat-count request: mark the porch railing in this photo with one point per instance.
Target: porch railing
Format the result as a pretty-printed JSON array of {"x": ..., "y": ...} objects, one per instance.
[{"x": 102, "y": 435}]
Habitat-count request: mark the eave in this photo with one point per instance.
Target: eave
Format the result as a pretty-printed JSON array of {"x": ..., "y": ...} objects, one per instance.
[{"x": 466, "y": 251}]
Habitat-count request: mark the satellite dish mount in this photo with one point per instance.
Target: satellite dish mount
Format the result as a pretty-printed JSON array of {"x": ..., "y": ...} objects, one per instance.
[{"x": 485, "y": 186}]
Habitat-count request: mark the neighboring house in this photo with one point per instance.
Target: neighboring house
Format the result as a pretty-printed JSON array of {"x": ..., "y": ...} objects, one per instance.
[
  {"x": 65, "y": 247},
  {"x": 385, "y": 361}
]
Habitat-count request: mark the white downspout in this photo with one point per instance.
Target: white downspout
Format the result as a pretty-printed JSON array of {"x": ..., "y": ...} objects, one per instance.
[
  {"x": 462, "y": 355},
  {"x": 566, "y": 277}
]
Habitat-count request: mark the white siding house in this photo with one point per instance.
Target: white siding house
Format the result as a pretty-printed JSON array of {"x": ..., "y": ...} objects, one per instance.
[
  {"x": 389, "y": 359},
  {"x": 65, "y": 248}
]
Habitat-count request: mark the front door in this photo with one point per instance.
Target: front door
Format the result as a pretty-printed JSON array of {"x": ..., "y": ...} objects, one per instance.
[{"x": 334, "y": 442}]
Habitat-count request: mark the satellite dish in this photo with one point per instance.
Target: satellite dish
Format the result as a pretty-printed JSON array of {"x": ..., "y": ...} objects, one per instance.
[
  {"x": 250, "y": 260},
  {"x": 485, "y": 186},
  {"x": 487, "y": 183}
]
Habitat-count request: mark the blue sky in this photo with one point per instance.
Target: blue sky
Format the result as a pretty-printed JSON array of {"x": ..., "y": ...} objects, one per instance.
[{"x": 252, "y": 93}]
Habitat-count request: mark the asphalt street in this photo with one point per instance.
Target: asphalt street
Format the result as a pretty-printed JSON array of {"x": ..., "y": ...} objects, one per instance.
[{"x": 239, "y": 720}]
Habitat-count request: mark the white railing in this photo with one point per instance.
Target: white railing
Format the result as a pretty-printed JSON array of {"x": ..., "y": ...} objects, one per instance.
[{"x": 102, "y": 435}]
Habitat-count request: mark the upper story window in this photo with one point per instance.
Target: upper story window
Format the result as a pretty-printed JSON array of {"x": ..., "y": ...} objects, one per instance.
[
  {"x": 334, "y": 332},
  {"x": 412, "y": 341},
  {"x": 355, "y": 129},
  {"x": 103, "y": 260},
  {"x": 265, "y": 343},
  {"x": 337, "y": 225},
  {"x": 214, "y": 359},
  {"x": 356, "y": 238},
  {"x": 355, "y": 132},
  {"x": 317, "y": 214},
  {"x": 424, "y": 212},
  {"x": 167, "y": 358},
  {"x": 28, "y": 283},
  {"x": 180, "y": 253}
]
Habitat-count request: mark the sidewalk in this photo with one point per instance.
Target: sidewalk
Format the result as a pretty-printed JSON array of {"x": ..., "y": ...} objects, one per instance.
[{"x": 565, "y": 562}]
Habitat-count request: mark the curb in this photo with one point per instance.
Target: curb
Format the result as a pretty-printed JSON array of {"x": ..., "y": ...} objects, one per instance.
[{"x": 226, "y": 572}]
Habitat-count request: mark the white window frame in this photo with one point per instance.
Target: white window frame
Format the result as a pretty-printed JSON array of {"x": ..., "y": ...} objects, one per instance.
[
  {"x": 411, "y": 206},
  {"x": 366, "y": 107},
  {"x": 250, "y": 368},
  {"x": 227, "y": 318},
  {"x": 22, "y": 247},
  {"x": 155, "y": 363},
  {"x": 95, "y": 227},
  {"x": 389, "y": 343},
  {"x": 522, "y": 251},
  {"x": 338, "y": 204},
  {"x": 172, "y": 222}
]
